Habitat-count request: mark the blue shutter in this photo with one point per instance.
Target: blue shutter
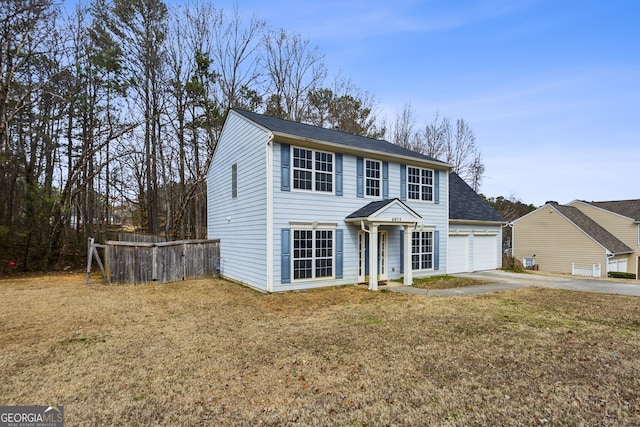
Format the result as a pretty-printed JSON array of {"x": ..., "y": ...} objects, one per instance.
[
  {"x": 339, "y": 253},
  {"x": 436, "y": 250},
  {"x": 402, "y": 251},
  {"x": 285, "y": 160},
  {"x": 385, "y": 180},
  {"x": 360, "y": 178},
  {"x": 436, "y": 186},
  {"x": 366, "y": 254},
  {"x": 403, "y": 182},
  {"x": 338, "y": 174},
  {"x": 285, "y": 264}
]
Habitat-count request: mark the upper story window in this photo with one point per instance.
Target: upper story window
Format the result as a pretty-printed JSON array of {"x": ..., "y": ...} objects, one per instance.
[
  {"x": 372, "y": 183},
  {"x": 312, "y": 170},
  {"x": 420, "y": 184}
]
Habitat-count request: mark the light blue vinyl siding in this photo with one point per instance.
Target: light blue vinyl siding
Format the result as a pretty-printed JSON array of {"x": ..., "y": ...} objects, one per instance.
[
  {"x": 307, "y": 207},
  {"x": 240, "y": 223}
]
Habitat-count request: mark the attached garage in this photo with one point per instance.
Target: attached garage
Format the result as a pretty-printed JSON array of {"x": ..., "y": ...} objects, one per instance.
[{"x": 473, "y": 249}]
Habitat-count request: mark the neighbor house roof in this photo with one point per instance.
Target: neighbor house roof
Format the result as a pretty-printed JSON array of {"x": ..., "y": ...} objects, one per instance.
[
  {"x": 466, "y": 205},
  {"x": 332, "y": 136},
  {"x": 628, "y": 208},
  {"x": 592, "y": 229}
]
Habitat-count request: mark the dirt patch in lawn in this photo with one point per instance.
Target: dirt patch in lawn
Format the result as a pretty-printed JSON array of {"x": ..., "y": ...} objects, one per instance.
[
  {"x": 446, "y": 282},
  {"x": 208, "y": 352}
]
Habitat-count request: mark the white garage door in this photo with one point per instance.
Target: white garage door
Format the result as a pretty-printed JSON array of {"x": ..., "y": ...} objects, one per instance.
[
  {"x": 617, "y": 265},
  {"x": 485, "y": 253},
  {"x": 458, "y": 254}
]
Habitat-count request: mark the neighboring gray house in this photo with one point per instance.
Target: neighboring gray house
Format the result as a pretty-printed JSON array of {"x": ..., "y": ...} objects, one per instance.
[{"x": 297, "y": 206}]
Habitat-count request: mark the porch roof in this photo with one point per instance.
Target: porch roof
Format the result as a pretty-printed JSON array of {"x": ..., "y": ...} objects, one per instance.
[{"x": 385, "y": 211}]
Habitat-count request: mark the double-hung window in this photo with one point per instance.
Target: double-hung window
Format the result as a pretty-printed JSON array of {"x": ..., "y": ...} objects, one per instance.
[
  {"x": 422, "y": 250},
  {"x": 373, "y": 178},
  {"x": 420, "y": 184},
  {"x": 312, "y": 254},
  {"x": 312, "y": 170}
]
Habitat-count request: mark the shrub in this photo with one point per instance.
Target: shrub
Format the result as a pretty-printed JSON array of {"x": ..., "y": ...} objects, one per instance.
[{"x": 621, "y": 275}]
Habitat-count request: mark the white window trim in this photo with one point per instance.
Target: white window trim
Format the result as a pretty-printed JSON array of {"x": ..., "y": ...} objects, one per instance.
[
  {"x": 314, "y": 226},
  {"x": 313, "y": 171},
  {"x": 433, "y": 184},
  {"x": 433, "y": 247},
  {"x": 369, "y": 196}
]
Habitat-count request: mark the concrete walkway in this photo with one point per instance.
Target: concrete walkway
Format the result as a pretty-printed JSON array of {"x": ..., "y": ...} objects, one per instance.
[{"x": 503, "y": 280}]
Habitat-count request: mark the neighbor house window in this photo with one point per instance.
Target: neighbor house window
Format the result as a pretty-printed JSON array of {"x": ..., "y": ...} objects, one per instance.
[
  {"x": 312, "y": 170},
  {"x": 372, "y": 170},
  {"x": 420, "y": 184},
  {"x": 234, "y": 180},
  {"x": 312, "y": 254},
  {"x": 422, "y": 250},
  {"x": 528, "y": 262}
]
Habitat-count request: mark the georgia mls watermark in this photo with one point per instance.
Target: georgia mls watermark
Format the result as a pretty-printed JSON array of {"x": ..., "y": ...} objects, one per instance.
[{"x": 31, "y": 416}]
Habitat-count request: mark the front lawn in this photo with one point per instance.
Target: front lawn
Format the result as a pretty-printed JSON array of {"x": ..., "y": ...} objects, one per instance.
[
  {"x": 445, "y": 282},
  {"x": 209, "y": 352}
]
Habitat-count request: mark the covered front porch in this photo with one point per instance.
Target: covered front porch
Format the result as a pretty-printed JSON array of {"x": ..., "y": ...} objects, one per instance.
[{"x": 374, "y": 221}]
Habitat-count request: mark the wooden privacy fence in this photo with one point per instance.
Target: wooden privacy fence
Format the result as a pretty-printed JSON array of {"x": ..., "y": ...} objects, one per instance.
[{"x": 139, "y": 262}]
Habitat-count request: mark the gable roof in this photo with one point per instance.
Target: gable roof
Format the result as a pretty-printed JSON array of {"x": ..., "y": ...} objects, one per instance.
[
  {"x": 466, "y": 205},
  {"x": 592, "y": 229},
  {"x": 287, "y": 128},
  {"x": 628, "y": 208},
  {"x": 375, "y": 207}
]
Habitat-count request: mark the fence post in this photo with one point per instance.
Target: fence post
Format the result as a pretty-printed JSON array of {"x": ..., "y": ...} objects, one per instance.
[
  {"x": 154, "y": 263},
  {"x": 89, "y": 258}
]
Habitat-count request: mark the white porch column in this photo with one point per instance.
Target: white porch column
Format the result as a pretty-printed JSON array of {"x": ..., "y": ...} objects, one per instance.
[
  {"x": 373, "y": 257},
  {"x": 408, "y": 271}
]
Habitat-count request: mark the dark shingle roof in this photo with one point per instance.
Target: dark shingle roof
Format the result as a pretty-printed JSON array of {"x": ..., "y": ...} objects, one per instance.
[
  {"x": 374, "y": 207},
  {"x": 592, "y": 229},
  {"x": 628, "y": 208},
  {"x": 466, "y": 204},
  {"x": 303, "y": 130}
]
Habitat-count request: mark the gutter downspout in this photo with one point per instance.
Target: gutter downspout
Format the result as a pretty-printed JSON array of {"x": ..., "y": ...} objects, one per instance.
[{"x": 270, "y": 225}]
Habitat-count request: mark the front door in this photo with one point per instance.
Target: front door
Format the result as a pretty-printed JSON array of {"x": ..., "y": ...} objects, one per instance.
[{"x": 363, "y": 256}]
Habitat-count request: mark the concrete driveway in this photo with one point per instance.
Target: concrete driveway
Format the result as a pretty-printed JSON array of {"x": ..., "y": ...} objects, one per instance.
[{"x": 504, "y": 280}]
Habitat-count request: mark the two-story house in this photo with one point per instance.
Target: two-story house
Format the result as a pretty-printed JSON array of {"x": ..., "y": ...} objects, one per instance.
[{"x": 297, "y": 206}]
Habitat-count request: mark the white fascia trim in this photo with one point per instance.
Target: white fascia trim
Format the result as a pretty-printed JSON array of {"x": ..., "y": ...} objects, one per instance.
[
  {"x": 270, "y": 243},
  {"x": 485, "y": 232}
]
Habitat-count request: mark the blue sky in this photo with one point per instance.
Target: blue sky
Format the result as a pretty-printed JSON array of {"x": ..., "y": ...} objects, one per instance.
[{"x": 551, "y": 88}]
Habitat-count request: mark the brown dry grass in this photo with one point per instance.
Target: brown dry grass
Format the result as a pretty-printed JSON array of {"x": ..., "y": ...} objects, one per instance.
[
  {"x": 209, "y": 352},
  {"x": 446, "y": 282}
]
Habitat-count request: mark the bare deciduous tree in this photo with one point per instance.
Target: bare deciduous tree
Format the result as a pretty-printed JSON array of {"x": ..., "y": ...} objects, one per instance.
[
  {"x": 293, "y": 70},
  {"x": 440, "y": 140}
]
